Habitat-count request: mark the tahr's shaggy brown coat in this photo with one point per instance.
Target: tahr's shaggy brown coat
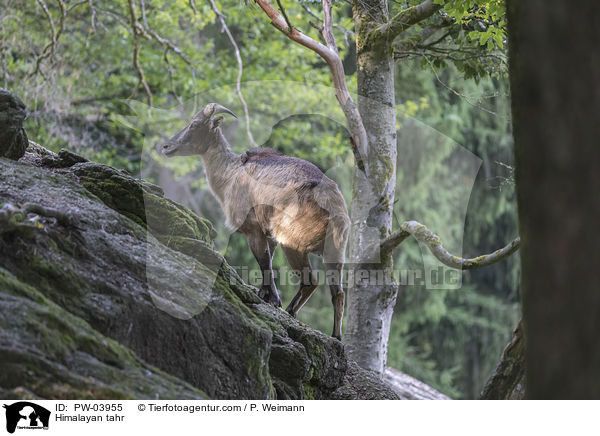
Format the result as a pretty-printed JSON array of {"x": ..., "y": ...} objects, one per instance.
[{"x": 273, "y": 199}]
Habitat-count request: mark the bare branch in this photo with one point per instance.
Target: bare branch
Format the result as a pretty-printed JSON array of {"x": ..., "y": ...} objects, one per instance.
[
  {"x": 49, "y": 49},
  {"x": 330, "y": 54},
  {"x": 143, "y": 8},
  {"x": 171, "y": 75},
  {"x": 93, "y": 9},
  {"x": 404, "y": 19},
  {"x": 238, "y": 83},
  {"x": 455, "y": 92},
  {"x": 287, "y": 20},
  {"x": 414, "y": 41},
  {"x": 391, "y": 242},
  {"x": 136, "y": 32},
  {"x": 316, "y": 26},
  {"x": 434, "y": 243},
  {"x": 328, "y": 27},
  {"x": 440, "y": 39},
  {"x": 74, "y": 5},
  {"x": 347, "y": 32},
  {"x": 309, "y": 10}
]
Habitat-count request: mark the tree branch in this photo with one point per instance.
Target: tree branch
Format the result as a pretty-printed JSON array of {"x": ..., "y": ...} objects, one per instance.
[
  {"x": 238, "y": 83},
  {"x": 414, "y": 41},
  {"x": 347, "y": 32},
  {"x": 285, "y": 17},
  {"x": 330, "y": 54},
  {"x": 136, "y": 31},
  {"x": 50, "y": 46},
  {"x": 455, "y": 92},
  {"x": 437, "y": 41},
  {"x": 49, "y": 49},
  {"x": 149, "y": 32},
  {"x": 404, "y": 19},
  {"x": 434, "y": 243}
]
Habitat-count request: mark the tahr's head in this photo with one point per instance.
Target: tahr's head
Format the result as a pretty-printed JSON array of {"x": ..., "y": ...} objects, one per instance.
[{"x": 199, "y": 135}]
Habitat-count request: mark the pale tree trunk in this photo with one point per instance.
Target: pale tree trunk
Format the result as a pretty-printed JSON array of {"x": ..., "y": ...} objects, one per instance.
[
  {"x": 372, "y": 126},
  {"x": 370, "y": 305}
]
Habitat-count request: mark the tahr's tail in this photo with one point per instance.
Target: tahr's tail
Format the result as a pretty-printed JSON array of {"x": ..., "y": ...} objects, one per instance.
[{"x": 341, "y": 227}]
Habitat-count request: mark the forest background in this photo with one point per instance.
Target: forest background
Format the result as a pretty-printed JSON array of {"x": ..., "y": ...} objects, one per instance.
[{"x": 75, "y": 66}]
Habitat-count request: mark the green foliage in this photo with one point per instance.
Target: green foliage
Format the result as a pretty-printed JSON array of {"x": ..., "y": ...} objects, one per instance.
[
  {"x": 76, "y": 98},
  {"x": 486, "y": 19},
  {"x": 468, "y": 35}
]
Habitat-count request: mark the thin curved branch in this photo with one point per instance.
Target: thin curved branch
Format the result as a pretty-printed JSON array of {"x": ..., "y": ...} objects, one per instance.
[
  {"x": 434, "y": 243},
  {"x": 148, "y": 32},
  {"x": 238, "y": 83},
  {"x": 136, "y": 32},
  {"x": 455, "y": 92},
  {"x": 56, "y": 31},
  {"x": 93, "y": 10},
  {"x": 330, "y": 55},
  {"x": 49, "y": 48},
  {"x": 285, "y": 17}
]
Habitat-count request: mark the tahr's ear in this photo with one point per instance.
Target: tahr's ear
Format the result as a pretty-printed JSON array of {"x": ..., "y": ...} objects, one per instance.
[{"x": 215, "y": 123}]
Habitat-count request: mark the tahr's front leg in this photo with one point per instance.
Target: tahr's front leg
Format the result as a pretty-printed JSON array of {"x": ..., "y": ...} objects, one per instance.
[{"x": 263, "y": 249}]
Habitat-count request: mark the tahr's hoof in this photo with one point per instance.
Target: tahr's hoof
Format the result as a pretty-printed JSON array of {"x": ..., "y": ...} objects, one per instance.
[
  {"x": 263, "y": 294},
  {"x": 339, "y": 338}
]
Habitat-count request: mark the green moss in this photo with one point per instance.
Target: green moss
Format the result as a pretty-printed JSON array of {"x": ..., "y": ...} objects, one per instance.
[
  {"x": 309, "y": 392},
  {"x": 117, "y": 190},
  {"x": 257, "y": 366},
  {"x": 44, "y": 272},
  {"x": 142, "y": 202},
  {"x": 382, "y": 173},
  {"x": 165, "y": 217},
  {"x": 53, "y": 354}
]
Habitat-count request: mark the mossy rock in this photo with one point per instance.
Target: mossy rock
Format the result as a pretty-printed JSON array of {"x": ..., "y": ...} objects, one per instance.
[
  {"x": 124, "y": 300},
  {"x": 13, "y": 139},
  {"x": 142, "y": 202},
  {"x": 49, "y": 353}
]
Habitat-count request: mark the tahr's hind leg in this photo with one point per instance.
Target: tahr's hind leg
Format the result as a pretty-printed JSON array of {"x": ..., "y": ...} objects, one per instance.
[
  {"x": 334, "y": 281},
  {"x": 308, "y": 281}
]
